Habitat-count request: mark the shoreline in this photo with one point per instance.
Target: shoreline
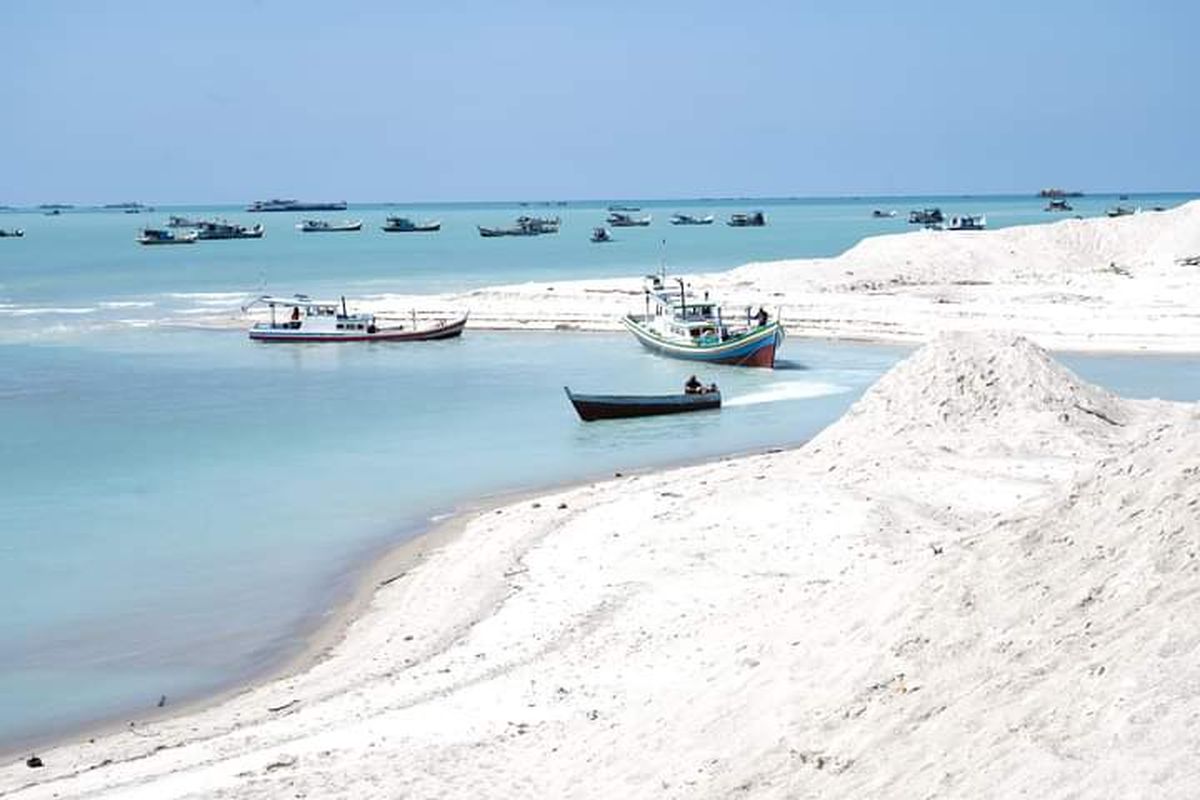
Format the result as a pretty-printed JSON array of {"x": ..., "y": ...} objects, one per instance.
[{"x": 353, "y": 591}]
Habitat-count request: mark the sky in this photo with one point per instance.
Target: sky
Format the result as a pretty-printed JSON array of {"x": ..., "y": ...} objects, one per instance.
[{"x": 442, "y": 101}]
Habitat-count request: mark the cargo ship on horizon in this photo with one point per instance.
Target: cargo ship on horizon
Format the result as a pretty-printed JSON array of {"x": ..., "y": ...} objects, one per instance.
[{"x": 294, "y": 205}]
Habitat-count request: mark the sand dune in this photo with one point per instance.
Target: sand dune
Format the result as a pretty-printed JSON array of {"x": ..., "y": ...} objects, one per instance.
[{"x": 981, "y": 582}]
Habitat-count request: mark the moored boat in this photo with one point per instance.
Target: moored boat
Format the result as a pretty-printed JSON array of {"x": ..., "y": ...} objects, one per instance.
[
  {"x": 620, "y": 219},
  {"x": 220, "y": 229},
  {"x": 1058, "y": 204},
  {"x": 163, "y": 236},
  {"x": 881, "y": 214},
  {"x": 406, "y": 225},
  {"x": 688, "y": 219},
  {"x": 926, "y": 216},
  {"x": 754, "y": 219},
  {"x": 601, "y": 235},
  {"x": 325, "y": 226},
  {"x": 526, "y": 226},
  {"x": 591, "y": 407},
  {"x": 309, "y": 320},
  {"x": 182, "y": 222},
  {"x": 967, "y": 222},
  {"x": 678, "y": 325},
  {"x": 1121, "y": 211},
  {"x": 15, "y": 233}
]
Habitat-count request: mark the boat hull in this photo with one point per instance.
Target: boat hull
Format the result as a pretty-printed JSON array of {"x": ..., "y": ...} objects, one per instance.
[
  {"x": 448, "y": 331},
  {"x": 753, "y": 349},
  {"x": 592, "y": 407}
]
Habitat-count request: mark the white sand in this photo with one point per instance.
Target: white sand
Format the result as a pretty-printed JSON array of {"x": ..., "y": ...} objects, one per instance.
[
  {"x": 983, "y": 581},
  {"x": 1090, "y": 284}
]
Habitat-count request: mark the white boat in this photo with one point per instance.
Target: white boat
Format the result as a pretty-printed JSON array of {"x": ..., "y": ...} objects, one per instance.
[
  {"x": 325, "y": 226},
  {"x": 620, "y": 219},
  {"x": 678, "y": 325},
  {"x": 688, "y": 219},
  {"x": 307, "y": 320},
  {"x": 601, "y": 235},
  {"x": 163, "y": 236},
  {"x": 220, "y": 229},
  {"x": 967, "y": 222}
]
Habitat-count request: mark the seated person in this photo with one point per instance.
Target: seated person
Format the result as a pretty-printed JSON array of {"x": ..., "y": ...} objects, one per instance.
[{"x": 693, "y": 386}]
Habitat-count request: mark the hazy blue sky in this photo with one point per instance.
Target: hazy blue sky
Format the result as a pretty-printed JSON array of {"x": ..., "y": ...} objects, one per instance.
[{"x": 231, "y": 101}]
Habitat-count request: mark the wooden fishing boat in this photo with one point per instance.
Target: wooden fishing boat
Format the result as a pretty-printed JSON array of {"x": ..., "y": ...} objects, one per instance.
[
  {"x": 754, "y": 219},
  {"x": 677, "y": 325},
  {"x": 310, "y": 320},
  {"x": 601, "y": 235},
  {"x": 688, "y": 219},
  {"x": 591, "y": 407},
  {"x": 325, "y": 226},
  {"x": 406, "y": 225},
  {"x": 621, "y": 220},
  {"x": 163, "y": 236},
  {"x": 212, "y": 230},
  {"x": 15, "y": 233}
]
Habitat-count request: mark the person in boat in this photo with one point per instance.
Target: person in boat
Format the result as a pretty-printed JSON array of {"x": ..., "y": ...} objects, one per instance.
[
  {"x": 762, "y": 316},
  {"x": 693, "y": 386},
  {"x": 295, "y": 316}
]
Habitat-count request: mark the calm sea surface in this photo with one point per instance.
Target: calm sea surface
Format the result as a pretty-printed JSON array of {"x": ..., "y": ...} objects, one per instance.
[{"x": 178, "y": 506}]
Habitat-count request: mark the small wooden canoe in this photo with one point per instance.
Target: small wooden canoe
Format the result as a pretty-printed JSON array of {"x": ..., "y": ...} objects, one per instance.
[{"x": 591, "y": 407}]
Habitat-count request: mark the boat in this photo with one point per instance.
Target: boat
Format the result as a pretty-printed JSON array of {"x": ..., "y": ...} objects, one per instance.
[
  {"x": 688, "y": 219},
  {"x": 620, "y": 219},
  {"x": 526, "y": 226},
  {"x": 277, "y": 204},
  {"x": 926, "y": 216},
  {"x": 1120, "y": 211},
  {"x": 15, "y": 233},
  {"x": 624, "y": 208},
  {"x": 1056, "y": 192},
  {"x": 601, "y": 235},
  {"x": 967, "y": 222},
  {"x": 325, "y": 226},
  {"x": 406, "y": 225},
  {"x": 678, "y": 325},
  {"x": 308, "y": 320},
  {"x": 591, "y": 407},
  {"x": 220, "y": 229},
  {"x": 881, "y": 214},
  {"x": 1058, "y": 204},
  {"x": 182, "y": 222},
  {"x": 754, "y": 219},
  {"x": 164, "y": 236},
  {"x": 54, "y": 212}
]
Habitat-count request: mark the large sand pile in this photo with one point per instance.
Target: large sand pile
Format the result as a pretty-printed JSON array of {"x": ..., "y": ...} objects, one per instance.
[{"x": 984, "y": 581}]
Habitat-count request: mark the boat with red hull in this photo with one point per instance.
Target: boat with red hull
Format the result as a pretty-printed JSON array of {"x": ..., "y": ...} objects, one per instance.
[
  {"x": 318, "y": 321},
  {"x": 592, "y": 407}
]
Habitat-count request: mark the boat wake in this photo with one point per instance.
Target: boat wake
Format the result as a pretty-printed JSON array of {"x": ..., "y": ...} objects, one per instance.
[{"x": 787, "y": 390}]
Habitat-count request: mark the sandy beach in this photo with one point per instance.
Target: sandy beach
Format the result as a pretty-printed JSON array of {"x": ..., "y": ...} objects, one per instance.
[{"x": 981, "y": 582}]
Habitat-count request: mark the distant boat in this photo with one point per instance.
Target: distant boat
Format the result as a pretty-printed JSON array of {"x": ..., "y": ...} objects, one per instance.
[
  {"x": 754, "y": 219},
  {"x": 967, "y": 222},
  {"x": 327, "y": 321},
  {"x": 325, "y": 226},
  {"x": 1121, "y": 211},
  {"x": 293, "y": 205},
  {"x": 624, "y": 208},
  {"x": 601, "y": 235},
  {"x": 880, "y": 214},
  {"x": 163, "y": 236},
  {"x": 688, "y": 219},
  {"x": 1058, "y": 204},
  {"x": 526, "y": 226},
  {"x": 15, "y": 233},
  {"x": 621, "y": 220},
  {"x": 54, "y": 212},
  {"x": 220, "y": 229},
  {"x": 591, "y": 407},
  {"x": 926, "y": 216},
  {"x": 406, "y": 225},
  {"x": 678, "y": 325},
  {"x": 1055, "y": 192},
  {"x": 183, "y": 222}
]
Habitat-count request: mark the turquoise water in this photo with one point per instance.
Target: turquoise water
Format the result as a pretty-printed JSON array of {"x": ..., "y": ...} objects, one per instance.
[{"x": 177, "y": 506}]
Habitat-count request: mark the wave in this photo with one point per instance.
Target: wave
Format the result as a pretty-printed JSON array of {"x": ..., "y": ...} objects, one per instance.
[
  {"x": 127, "y": 304},
  {"x": 787, "y": 390},
  {"x": 212, "y": 296},
  {"x": 30, "y": 311}
]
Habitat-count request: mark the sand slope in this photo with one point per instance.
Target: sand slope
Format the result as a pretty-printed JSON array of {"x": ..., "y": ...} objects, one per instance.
[{"x": 982, "y": 582}]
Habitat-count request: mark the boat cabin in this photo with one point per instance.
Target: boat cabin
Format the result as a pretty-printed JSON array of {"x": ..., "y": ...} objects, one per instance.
[{"x": 302, "y": 312}]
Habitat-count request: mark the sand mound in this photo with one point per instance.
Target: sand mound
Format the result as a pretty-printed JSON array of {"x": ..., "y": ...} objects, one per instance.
[{"x": 1009, "y": 389}]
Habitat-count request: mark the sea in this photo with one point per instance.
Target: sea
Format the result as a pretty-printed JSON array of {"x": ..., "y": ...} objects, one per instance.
[{"x": 181, "y": 507}]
